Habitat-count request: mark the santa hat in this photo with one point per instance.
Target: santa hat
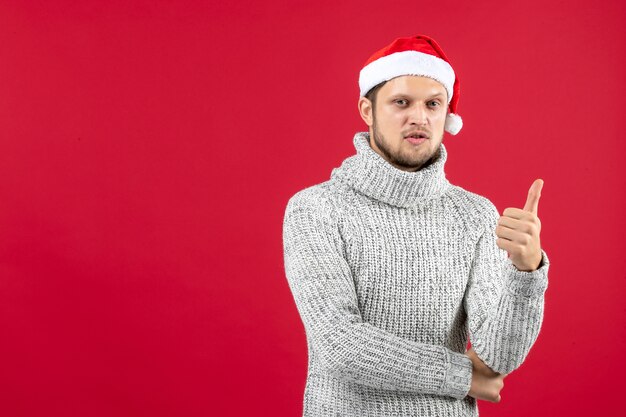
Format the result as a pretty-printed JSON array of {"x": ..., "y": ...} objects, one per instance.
[{"x": 416, "y": 55}]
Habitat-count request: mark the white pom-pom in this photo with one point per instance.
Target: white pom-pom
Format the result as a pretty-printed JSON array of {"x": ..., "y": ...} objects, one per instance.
[{"x": 453, "y": 124}]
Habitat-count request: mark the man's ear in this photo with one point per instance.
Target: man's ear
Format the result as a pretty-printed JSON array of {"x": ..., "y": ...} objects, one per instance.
[{"x": 366, "y": 110}]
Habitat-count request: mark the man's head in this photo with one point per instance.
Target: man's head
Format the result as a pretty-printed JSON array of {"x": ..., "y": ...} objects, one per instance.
[
  {"x": 409, "y": 87},
  {"x": 400, "y": 110}
]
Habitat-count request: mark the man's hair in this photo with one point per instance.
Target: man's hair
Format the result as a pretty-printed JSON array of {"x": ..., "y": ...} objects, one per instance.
[{"x": 371, "y": 94}]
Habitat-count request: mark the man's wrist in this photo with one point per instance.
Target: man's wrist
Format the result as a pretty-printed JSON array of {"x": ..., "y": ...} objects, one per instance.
[{"x": 458, "y": 378}]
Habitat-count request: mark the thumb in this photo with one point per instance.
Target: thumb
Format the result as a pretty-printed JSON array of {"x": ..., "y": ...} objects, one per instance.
[{"x": 532, "y": 201}]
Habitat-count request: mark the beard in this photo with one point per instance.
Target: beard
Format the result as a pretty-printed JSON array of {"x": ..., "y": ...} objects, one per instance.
[{"x": 411, "y": 163}]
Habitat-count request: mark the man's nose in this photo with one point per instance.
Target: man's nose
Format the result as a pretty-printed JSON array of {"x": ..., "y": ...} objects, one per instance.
[{"x": 419, "y": 115}]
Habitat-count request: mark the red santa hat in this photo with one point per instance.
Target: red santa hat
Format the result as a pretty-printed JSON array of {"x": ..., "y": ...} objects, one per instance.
[{"x": 416, "y": 55}]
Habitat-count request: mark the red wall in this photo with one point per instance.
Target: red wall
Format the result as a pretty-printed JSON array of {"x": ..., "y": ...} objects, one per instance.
[{"x": 148, "y": 149}]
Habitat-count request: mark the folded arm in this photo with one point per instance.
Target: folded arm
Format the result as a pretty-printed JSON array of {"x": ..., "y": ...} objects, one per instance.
[{"x": 504, "y": 305}]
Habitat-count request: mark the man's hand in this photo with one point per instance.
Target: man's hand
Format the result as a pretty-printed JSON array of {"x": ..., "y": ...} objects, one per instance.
[
  {"x": 486, "y": 383},
  {"x": 518, "y": 231}
]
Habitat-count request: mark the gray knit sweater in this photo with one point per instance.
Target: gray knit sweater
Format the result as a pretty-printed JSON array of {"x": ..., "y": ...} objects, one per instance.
[{"x": 391, "y": 272}]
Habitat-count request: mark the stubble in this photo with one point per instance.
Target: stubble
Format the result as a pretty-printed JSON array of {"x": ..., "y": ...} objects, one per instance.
[{"x": 399, "y": 159}]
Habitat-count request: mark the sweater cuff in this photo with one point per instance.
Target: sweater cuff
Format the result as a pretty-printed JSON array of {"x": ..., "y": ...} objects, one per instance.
[
  {"x": 528, "y": 283},
  {"x": 458, "y": 379}
]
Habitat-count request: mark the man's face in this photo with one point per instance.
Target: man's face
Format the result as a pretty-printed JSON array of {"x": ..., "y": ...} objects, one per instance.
[{"x": 405, "y": 105}]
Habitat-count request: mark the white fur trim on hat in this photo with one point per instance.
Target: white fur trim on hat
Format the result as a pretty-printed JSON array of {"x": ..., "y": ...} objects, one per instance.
[
  {"x": 406, "y": 63},
  {"x": 453, "y": 123}
]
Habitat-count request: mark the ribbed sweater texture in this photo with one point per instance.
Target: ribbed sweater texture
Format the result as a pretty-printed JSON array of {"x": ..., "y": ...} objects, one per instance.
[{"x": 392, "y": 272}]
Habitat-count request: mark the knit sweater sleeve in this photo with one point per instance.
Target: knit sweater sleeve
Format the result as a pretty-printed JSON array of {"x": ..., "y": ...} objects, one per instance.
[
  {"x": 504, "y": 305},
  {"x": 321, "y": 281}
]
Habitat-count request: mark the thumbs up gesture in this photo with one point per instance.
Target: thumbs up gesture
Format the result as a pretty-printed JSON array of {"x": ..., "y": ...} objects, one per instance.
[{"x": 518, "y": 231}]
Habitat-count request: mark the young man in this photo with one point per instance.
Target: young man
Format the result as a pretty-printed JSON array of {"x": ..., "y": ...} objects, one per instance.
[{"x": 393, "y": 268}]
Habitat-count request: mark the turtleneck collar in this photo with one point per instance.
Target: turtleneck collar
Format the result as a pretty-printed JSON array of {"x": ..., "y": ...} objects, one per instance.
[{"x": 370, "y": 174}]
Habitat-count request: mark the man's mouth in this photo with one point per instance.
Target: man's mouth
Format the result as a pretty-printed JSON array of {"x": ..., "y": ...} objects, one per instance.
[
  {"x": 416, "y": 138},
  {"x": 417, "y": 135}
]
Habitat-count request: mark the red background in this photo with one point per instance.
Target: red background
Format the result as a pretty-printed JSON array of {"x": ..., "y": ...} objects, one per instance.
[{"x": 148, "y": 150}]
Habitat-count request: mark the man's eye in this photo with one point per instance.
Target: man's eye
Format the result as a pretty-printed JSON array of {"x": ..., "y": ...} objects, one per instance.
[
  {"x": 400, "y": 100},
  {"x": 436, "y": 103}
]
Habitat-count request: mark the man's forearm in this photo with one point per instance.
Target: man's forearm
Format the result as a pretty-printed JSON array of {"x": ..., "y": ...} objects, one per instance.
[{"x": 510, "y": 330}]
